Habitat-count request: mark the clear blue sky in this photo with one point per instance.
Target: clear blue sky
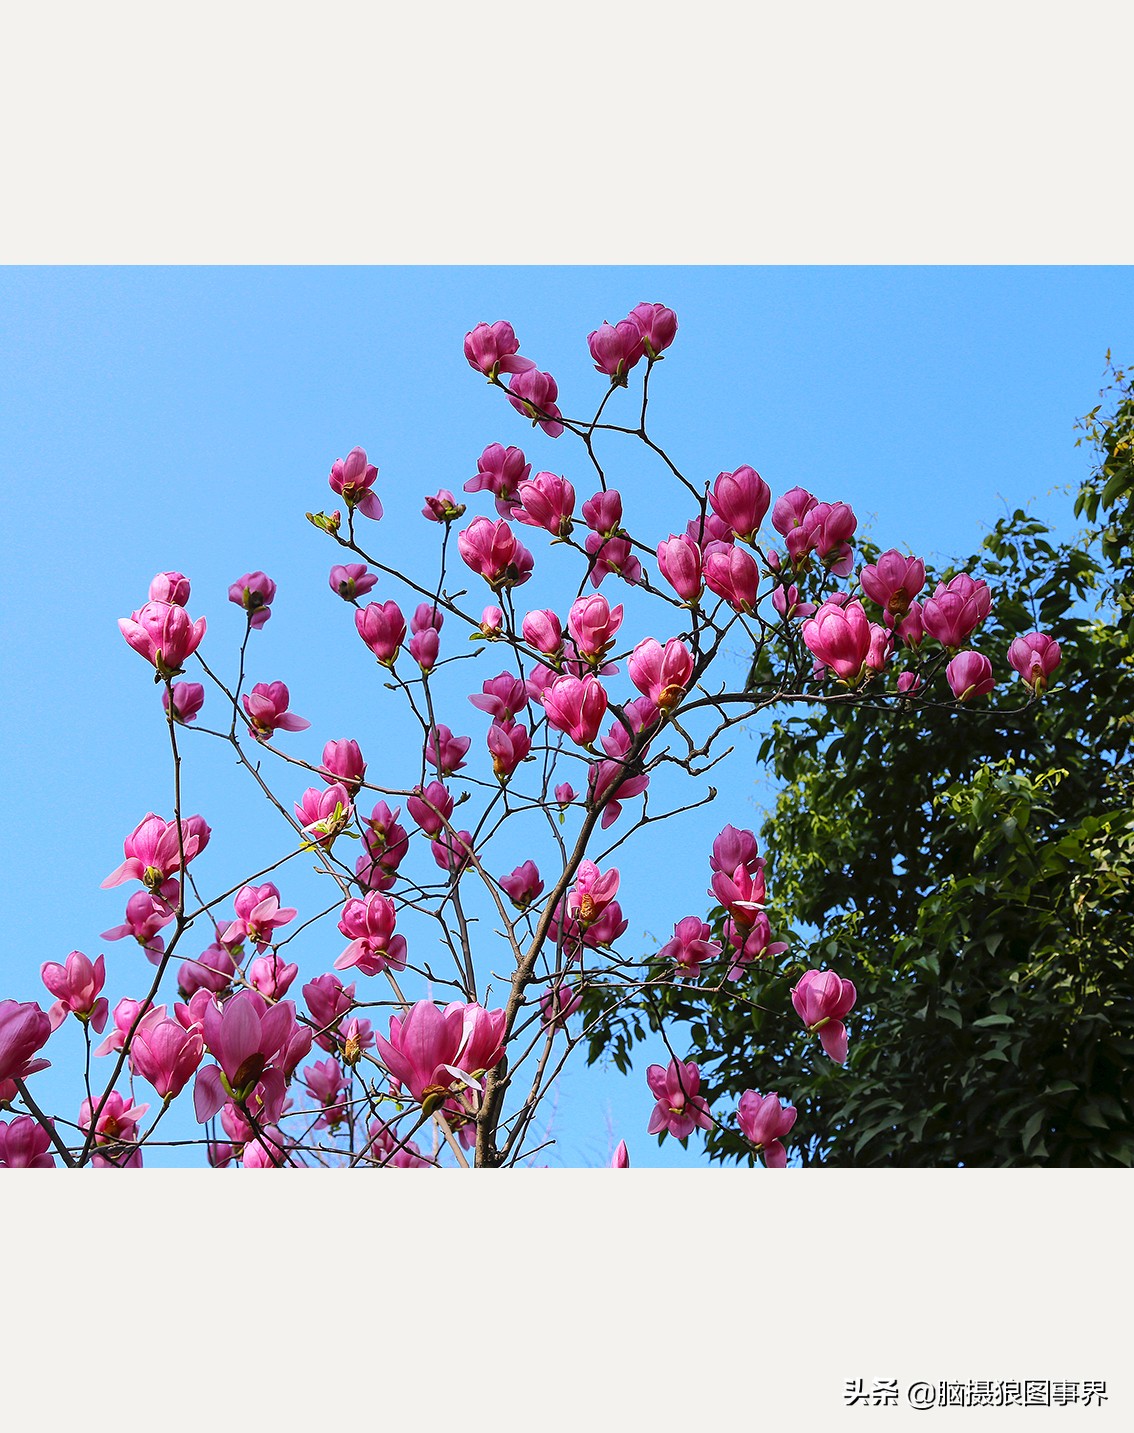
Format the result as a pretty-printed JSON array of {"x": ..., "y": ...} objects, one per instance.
[{"x": 187, "y": 418}]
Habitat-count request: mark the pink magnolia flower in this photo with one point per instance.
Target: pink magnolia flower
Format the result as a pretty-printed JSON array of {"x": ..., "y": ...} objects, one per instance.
[
  {"x": 789, "y": 510},
  {"x": 351, "y": 580},
  {"x": 153, "y": 850},
  {"x": 369, "y": 926},
  {"x": 444, "y": 751},
  {"x": 612, "y": 555},
  {"x": 500, "y": 471},
  {"x": 267, "y": 1149},
  {"x": 576, "y": 706},
  {"x": 821, "y": 999},
  {"x": 167, "y": 1055},
  {"x": 956, "y": 609},
  {"x": 502, "y": 697},
  {"x": 839, "y": 636},
  {"x": 266, "y": 708},
  {"x": 592, "y": 892},
  {"x": 164, "y": 634},
  {"x": 171, "y": 587},
  {"x": 826, "y": 529},
  {"x": 271, "y": 976},
  {"x": 710, "y": 528},
  {"x": 533, "y": 394},
  {"x": 431, "y": 1050},
  {"x": 146, "y": 914},
  {"x": 383, "y": 628},
  {"x": 734, "y": 847},
  {"x": 386, "y": 840},
  {"x": 255, "y": 592},
  {"x": 565, "y": 793},
  {"x": 611, "y": 781},
  {"x": 603, "y": 513},
  {"x": 258, "y": 916},
  {"x": 690, "y": 947},
  {"x": 76, "y": 986},
  {"x": 328, "y": 1086},
  {"x": 213, "y": 970},
  {"x": 430, "y": 807},
  {"x": 424, "y": 647},
  {"x": 353, "y": 478},
  {"x": 523, "y": 886},
  {"x": 732, "y": 573},
  {"x": 24, "y": 1029},
  {"x": 543, "y": 631},
  {"x": 969, "y": 675},
  {"x": 557, "y": 1004},
  {"x": 356, "y": 1036},
  {"x": 509, "y": 743},
  {"x": 1034, "y": 657},
  {"x": 491, "y": 625},
  {"x": 342, "y": 761},
  {"x": 253, "y": 1043},
  {"x": 492, "y": 550},
  {"x": 547, "y": 501},
  {"x": 452, "y": 851},
  {"x": 323, "y": 814},
  {"x": 743, "y": 893},
  {"x": 592, "y": 624},
  {"x": 442, "y": 507},
  {"x": 909, "y": 682},
  {"x": 25, "y": 1144},
  {"x": 893, "y": 581},
  {"x": 616, "y": 348},
  {"x": 493, "y": 348},
  {"x": 125, "y": 1014},
  {"x": 787, "y": 603},
  {"x": 749, "y": 943},
  {"x": 115, "y": 1131},
  {"x": 741, "y": 499},
  {"x": 328, "y": 1000},
  {"x": 679, "y": 559},
  {"x": 911, "y": 629},
  {"x": 763, "y": 1122},
  {"x": 657, "y": 325},
  {"x": 661, "y": 673},
  {"x": 427, "y": 616},
  {"x": 680, "y": 1109},
  {"x": 188, "y": 699},
  {"x": 881, "y": 648}
]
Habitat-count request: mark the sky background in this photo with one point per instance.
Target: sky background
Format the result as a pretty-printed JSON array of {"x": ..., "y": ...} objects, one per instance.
[{"x": 186, "y": 418}]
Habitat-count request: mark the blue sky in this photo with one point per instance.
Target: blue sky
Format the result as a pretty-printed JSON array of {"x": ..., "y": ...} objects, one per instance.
[{"x": 186, "y": 418}]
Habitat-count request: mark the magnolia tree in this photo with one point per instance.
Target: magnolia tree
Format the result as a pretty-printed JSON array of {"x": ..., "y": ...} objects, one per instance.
[{"x": 363, "y": 1064}]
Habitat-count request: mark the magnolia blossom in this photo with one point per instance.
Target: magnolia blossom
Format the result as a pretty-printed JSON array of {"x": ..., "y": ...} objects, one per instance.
[
  {"x": 679, "y": 559},
  {"x": 369, "y": 925},
  {"x": 621, "y": 1159},
  {"x": 1034, "y": 657},
  {"x": 500, "y": 471},
  {"x": 680, "y": 1109},
  {"x": 576, "y": 705},
  {"x": 431, "y": 1050},
  {"x": 546, "y": 501},
  {"x": 741, "y": 499},
  {"x": 24, "y": 1029},
  {"x": 164, "y": 634},
  {"x": 763, "y": 1122},
  {"x": 25, "y": 1144},
  {"x": 154, "y": 849},
  {"x": 146, "y": 914},
  {"x": 493, "y": 348},
  {"x": 821, "y": 999},
  {"x": 969, "y": 675},
  {"x": 839, "y": 636},
  {"x": 732, "y": 573},
  {"x": 612, "y": 555},
  {"x": 166, "y": 1054},
  {"x": 616, "y": 348},
  {"x": 383, "y": 628},
  {"x": 187, "y": 700},
  {"x": 258, "y": 916},
  {"x": 255, "y": 592},
  {"x": 661, "y": 673},
  {"x": 76, "y": 986},
  {"x": 266, "y": 709},
  {"x": 509, "y": 744},
  {"x": 353, "y": 477},
  {"x": 956, "y": 609},
  {"x": 324, "y": 813},
  {"x": 328, "y": 1000},
  {"x": 690, "y": 947},
  {"x": 493, "y": 551},
  {"x": 657, "y": 325},
  {"x": 253, "y": 1043},
  {"x": 351, "y": 580},
  {"x": 430, "y": 807},
  {"x": 444, "y": 751},
  {"x": 171, "y": 587},
  {"x": 893, "y": 581},
  {"x": 442, "y": 506},
  {"x": 115, "y": 1131},
  {"x": 342, "y": 761},
  {"x": 533, "y": 394},
  {"x": 523, "y": 886}
]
